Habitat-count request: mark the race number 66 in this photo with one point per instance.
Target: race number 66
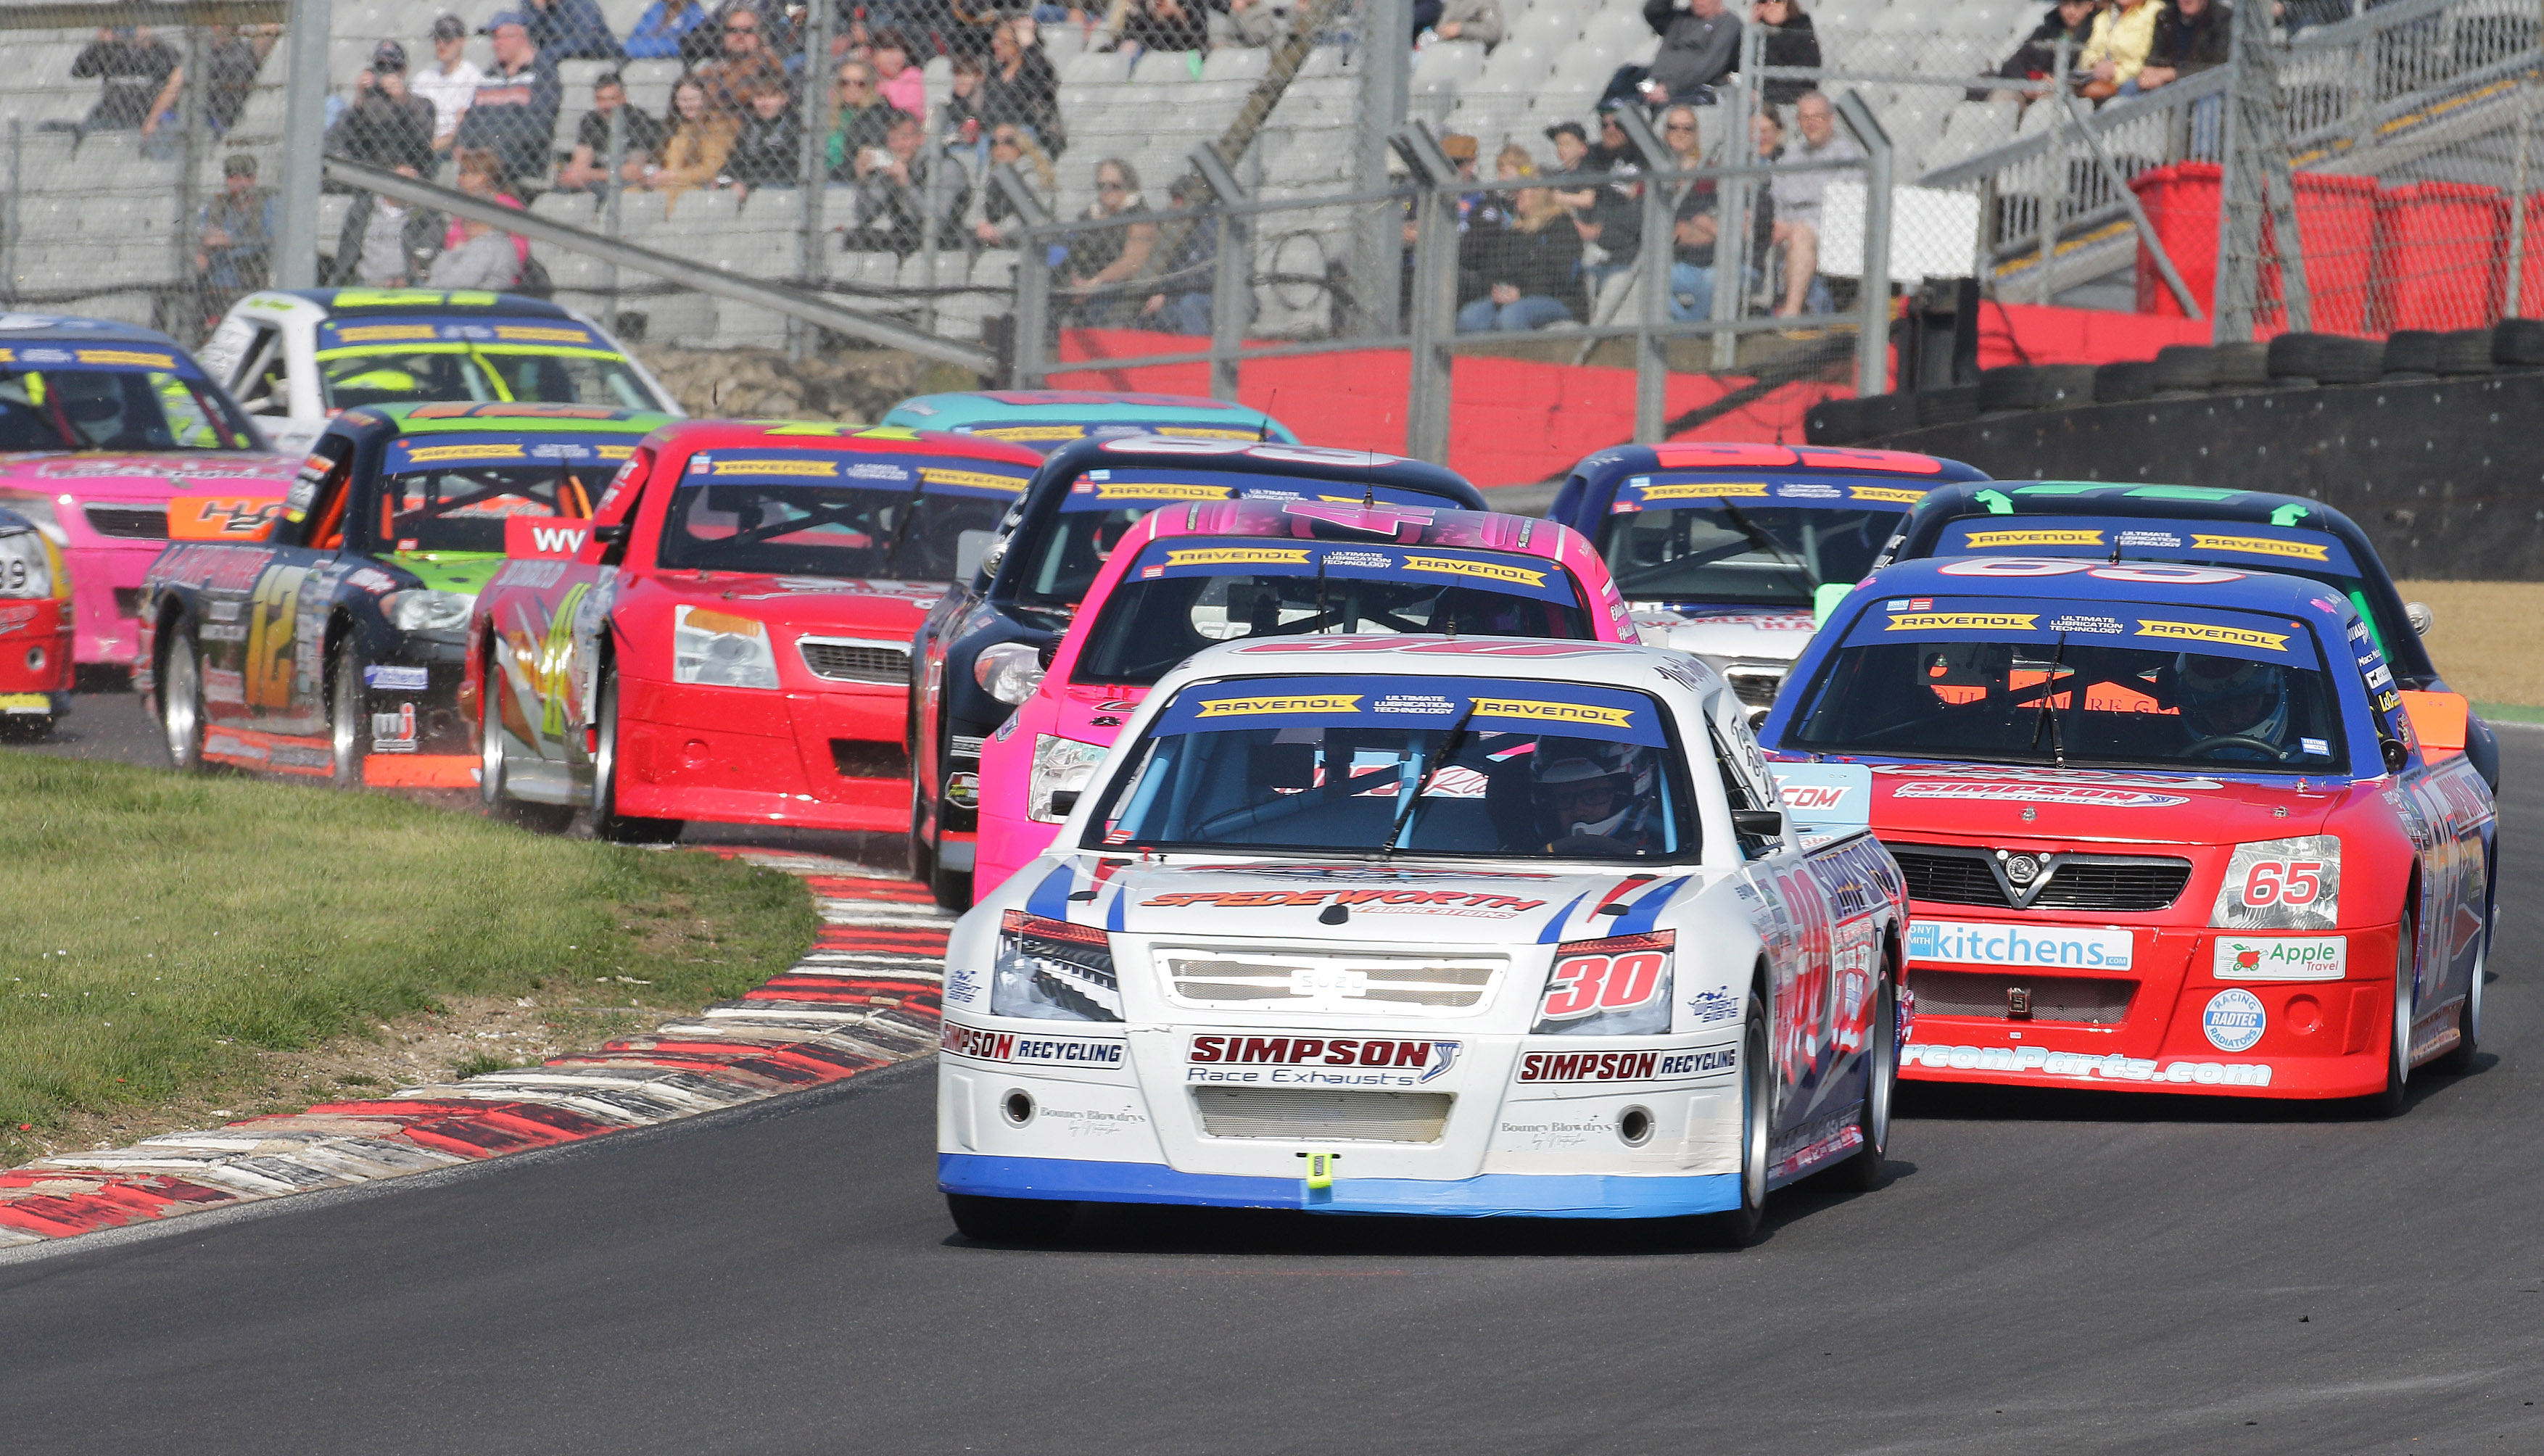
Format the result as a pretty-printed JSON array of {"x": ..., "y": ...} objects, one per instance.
[{"x": 2283, "y": 883}]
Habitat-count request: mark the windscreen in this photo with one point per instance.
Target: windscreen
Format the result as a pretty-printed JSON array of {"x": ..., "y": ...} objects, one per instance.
[
  {"x": 1063, "y": 552},
  {"x": 1693, "y": 538},
  {"x": 391, "y": 361},
  {"x": 125, "y": 398},
  {"x": 2289, "y": 551},
  {"x": 1378, "y": 763},
  {"x": 2015, "y": 680},
  {"x": 1187, "y": 592},
  {"x": 829, "y": 513},
  {"x": 453, "y": 492}
]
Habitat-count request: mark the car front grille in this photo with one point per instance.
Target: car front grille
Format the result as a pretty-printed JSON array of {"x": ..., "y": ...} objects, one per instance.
[
  {"x": 1359, "y": 982},
  {"x": 1952, "y": 875},
  {"x": 134, "y": 522},
  {"x": 850, "y": 659},
  {"x": 2049, "y": 998},
  {"x": 1300, "y": 1113}
]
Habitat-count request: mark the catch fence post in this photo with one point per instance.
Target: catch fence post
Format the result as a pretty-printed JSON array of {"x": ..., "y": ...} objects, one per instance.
[{"x": 294, "y": 260}]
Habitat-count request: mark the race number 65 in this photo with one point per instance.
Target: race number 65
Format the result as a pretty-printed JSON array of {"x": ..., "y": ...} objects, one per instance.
[{"x": 2283, "y": 883}]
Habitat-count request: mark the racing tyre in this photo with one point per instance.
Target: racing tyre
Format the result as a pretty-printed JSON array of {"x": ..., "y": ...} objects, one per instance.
[
  {"x": 1862, "y": 1172},
  {"x": 991, "y": 1220},
  {"x": 2398, "y": 1056},
  {"x": 538, "y": 819},
  {"x": 24, "y": 728},
  {"x": 916, "y": 861},
  {"x": 952, "y": 888},
  {"x": 2458, "y": 1059},
  {"x": 180, "y": 701},
  {"x": 348, "y": 722},
  {"x": 607, "y": 821},
  {"x": 1737, "y": 1228}
]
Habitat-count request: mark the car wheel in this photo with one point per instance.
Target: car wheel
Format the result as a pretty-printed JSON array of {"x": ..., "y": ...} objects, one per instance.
[
  {"x": 951, "y": 887},
  {"x": 917, "y": 862},
  {"x": 607, "y": 821},
  {"x": 349, "y": 723},
  {"x": 1010, "y": 1220},
  {"x": 24, "y": 728},
  {"x": 2397, "y": 1055},
  {"x": 1882, "y": 1061},
  {"x": 2458, "y": 1059},
  {"x": 541, "y": 819},
  {"x": 1737, "y": 1228},
  {"x": 180, "y": 701}
]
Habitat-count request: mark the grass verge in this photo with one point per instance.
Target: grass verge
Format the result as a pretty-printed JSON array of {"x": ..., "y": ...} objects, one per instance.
[{"x": 169, "y": 935}]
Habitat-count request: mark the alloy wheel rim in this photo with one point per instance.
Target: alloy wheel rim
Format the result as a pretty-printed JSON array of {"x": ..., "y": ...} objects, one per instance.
[
  {"x": 1885, "y": 1070},
  {"x": 177, "y": 706},
  {"x": 605, "y": 757},
  {"x": 1753, "y": 1112},
  {"x": 347, "y": 702},
  {"x": 490, "y": 746},
  {"x": 2403, "y": 959}
]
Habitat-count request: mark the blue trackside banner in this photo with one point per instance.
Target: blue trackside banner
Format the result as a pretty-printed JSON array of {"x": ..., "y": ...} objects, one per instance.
[
  {"x": 1679, "y": 489},
  {"x": 2047, "y": 621},
  {"x": 415, "y": 454},
  {"x": 1152, "y": 490},
  {"x": 870, "y": 470},
  {"x": 1254, "y": 557},
  {"x": 387, "y": 334},
  {"x": 2225, "y": 543},
  {"x": 1385, "y": 701}
]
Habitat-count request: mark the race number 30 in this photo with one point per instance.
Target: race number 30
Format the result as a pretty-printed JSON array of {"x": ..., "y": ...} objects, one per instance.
[
  {"x": 2283, "y": 883},
  {"x": 1583, "y": 984}
]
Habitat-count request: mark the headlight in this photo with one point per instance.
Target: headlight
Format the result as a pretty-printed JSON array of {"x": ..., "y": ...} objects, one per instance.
[
  {"x": 1055, "y": 972},
  {"x": 1008, "y": 671},
  {"x": 1614, "y": 987},
  {"x": 721, "y": 650},
  {"x": 2281, "y": 885},
  {"x": 1059, "y": 765},
  {"x": 38, "y": 510},
  {"x": 422, "y": 610},
  {"x": 27, "y": 566}
]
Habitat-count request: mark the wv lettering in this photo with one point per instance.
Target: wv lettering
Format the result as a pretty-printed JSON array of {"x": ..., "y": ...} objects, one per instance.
[{"x": 556, "y": 538}]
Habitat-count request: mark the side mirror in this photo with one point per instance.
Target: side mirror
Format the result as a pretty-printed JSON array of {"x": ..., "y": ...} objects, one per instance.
[
  {"x": 1064, "y": 801},
  {"x": 614, "y": 533},
  {"x": 1759, "y": 823},
  {"x": 1824, "y": 600},
  {"x": 2418, "y": 613},
  {"x": 1046, "y": 652},
  {"x": 2437, "y": 721},
  {"x": 2396, "y": 756}
]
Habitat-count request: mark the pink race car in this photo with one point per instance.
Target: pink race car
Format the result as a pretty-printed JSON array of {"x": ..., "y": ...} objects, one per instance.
[
  {"x": 1189, "y": 576},
  {"x": 101, "y": 425}
]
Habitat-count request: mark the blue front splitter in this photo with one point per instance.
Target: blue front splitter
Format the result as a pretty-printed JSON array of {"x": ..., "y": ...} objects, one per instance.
[{"x": 1519, "y": 1194}]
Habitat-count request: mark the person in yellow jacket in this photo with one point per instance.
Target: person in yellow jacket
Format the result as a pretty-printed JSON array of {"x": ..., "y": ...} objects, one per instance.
[
  {"x": 2117, "y": 50},
  {"x": 701, "y": 139}
]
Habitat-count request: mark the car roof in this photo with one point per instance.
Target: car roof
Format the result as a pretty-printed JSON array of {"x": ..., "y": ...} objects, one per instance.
[
  {"x": 2078, "y": 578},
  {"x": 722, "y": 434},
  {"x": 340, "y": 302},
  {"x": 1475, "y": 530},
  {"x": 1741, "y": 457},
  {"x": 34, "y": 328},
  {"x": 1074, "y": 407},
  {"x": 2131, "y": 498},
  {"x": 422, "y": 418}
]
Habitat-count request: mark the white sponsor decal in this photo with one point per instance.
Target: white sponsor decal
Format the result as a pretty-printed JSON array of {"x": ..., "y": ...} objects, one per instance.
[
  {"x": 2234, "y": 1020},
  {"x": 2093, "y": 794},
  {"x": 2041, "y": 1061},
  {"x": 1984, "y": 942},
  {"x": 397, "y": 679},
  {"x": 2319, "y": 958}
]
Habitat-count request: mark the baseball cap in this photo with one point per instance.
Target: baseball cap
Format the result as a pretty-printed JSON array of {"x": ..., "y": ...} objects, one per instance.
[
  {"x": 240, "y": 164},
  {"x": 449, "y": 26},
  {"x": 1458, "y": 146},
  {"x": 502, "y": 17},
  {"x": 388, "y": 55},
  {"x": 1560, "y": 128}
]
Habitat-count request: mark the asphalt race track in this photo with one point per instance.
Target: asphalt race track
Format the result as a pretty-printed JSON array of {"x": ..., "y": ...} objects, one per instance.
[{"x": 2077, "y": 1272}]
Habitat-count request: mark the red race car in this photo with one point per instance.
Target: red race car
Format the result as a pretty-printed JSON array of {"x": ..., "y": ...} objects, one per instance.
[
  {"x": 2164, "y": 827},
  {"x": 730, "y": 641},
  {"x": 34, "y": 630}
]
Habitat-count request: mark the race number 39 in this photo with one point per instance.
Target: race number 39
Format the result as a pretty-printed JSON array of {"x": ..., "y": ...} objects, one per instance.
[{"x": 1583, "y": 984}]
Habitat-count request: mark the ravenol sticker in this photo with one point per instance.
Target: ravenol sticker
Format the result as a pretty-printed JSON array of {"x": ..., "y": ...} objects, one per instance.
[
  {"x": 1238, "y": 556},
  {"x": 797, "y": 468},
  {"x": 1991, "y": 540},
  {"x": 439, "y": 454},
  {"x": 975, "y": 479},
  {"x": 2263, "y": 546},
  {"x": 386, "y": 332},
  {"x": 1106, "y": 491},
  {"x": 1488, "y": 570},
  {"x": 1887, "y": 495},
  {"x": 1538, "y": 710},
  {"x": 2234, "y": 1020},
  {"x": 2237, "y": 636},
  {"x": 1306, "y": 703},
  {"x": 1962, "y": 622},
  {"x": 1705, "y": 490}
]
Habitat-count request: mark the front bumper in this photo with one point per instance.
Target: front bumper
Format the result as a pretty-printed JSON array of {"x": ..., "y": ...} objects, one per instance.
[
  {"x": 2315, "y": 1039},
  {"x": 816, "y": 760}
]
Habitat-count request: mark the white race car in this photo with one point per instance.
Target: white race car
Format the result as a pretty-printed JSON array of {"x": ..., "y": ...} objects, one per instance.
[{"x": 1427, "y": 925}]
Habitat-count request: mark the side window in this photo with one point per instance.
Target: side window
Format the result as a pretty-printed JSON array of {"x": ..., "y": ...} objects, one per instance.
[
  {"x": 1742, "y": 794},
  {"x": 314, "y": 514},
  {"x": 263, "y": 384}
]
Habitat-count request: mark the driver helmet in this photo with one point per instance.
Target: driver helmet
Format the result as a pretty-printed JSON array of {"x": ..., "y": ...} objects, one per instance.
[
  {"x": 2222, "y": 696},
  {"x": 1483, "y": 613},
  {"x": 1589, "y": 786}
]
